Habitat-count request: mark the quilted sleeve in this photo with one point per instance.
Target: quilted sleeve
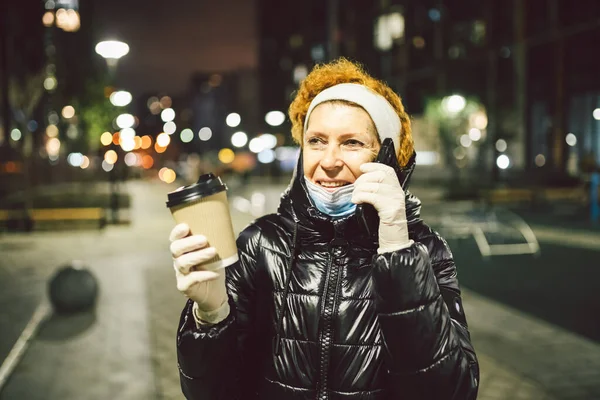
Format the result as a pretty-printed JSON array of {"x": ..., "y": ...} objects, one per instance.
[{"x": 428, "y": 351}]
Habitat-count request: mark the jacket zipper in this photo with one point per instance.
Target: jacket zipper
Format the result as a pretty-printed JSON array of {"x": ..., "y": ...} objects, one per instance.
[{"x": 326, "y": 337}]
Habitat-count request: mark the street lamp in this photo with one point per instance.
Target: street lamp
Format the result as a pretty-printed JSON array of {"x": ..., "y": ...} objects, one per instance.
[
  {"x": 454, "y": 104},
  {"x": 112, "y": 51}
]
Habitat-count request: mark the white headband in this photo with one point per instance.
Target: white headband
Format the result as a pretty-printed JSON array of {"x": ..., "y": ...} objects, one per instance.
[{"x": 382, "y": 113}]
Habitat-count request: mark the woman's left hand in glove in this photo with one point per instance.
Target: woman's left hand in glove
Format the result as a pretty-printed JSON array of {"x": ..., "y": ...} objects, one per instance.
[{"x": 379, "y": 186}]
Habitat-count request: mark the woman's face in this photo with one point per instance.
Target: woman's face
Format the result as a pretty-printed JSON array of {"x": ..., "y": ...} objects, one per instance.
[{"x": 338, "y": 140}]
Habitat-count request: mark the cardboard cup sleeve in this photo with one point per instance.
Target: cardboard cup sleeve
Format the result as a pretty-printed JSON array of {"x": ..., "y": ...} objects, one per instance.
[{"x": 209, "y": 216}]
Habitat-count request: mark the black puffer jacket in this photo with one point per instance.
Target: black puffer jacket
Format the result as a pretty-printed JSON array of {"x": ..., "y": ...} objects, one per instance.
[{"x": 353, "y": 325}]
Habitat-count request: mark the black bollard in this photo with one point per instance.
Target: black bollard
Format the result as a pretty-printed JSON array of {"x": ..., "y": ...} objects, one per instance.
[{"x": 72, "y": 289}]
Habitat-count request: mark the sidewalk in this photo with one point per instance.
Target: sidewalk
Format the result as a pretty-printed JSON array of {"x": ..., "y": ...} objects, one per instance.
[
  {"x": 528, "y": 358},
  {"x": 126, "y": 350}
]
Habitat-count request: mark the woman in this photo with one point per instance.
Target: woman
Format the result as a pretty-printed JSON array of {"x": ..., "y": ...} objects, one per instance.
[{"x": 316, "y": 307}]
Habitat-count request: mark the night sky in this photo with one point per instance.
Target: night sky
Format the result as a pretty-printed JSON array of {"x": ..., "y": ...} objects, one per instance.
[{"x": 169, "y": 40}]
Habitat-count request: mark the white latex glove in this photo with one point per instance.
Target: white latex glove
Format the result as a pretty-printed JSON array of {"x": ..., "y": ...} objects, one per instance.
[
  {"x": 379, "y": 186},
  {"x": 206, "y": 288}
]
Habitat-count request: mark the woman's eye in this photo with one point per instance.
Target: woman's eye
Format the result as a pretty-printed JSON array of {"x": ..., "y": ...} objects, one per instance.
[
  {"x": 354, "y": 143},
  {"x": 314, "y": 140}
]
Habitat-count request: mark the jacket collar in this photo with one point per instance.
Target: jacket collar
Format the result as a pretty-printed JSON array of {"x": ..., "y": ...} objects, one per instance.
[{"x": 315, "y": 227}]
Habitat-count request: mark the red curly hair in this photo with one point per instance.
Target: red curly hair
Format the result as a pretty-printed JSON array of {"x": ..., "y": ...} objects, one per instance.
[{"x": 339, "y": 71}]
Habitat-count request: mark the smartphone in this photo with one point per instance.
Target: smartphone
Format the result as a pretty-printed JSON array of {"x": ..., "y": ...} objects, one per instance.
[{"x": 365, "y": 212}]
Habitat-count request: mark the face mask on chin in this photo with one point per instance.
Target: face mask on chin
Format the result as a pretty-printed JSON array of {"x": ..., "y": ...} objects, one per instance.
[{"x": 335, "y": 203}]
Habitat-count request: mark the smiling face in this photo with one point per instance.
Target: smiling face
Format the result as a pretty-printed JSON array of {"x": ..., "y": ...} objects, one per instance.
[{"x": 338, "y": 140}]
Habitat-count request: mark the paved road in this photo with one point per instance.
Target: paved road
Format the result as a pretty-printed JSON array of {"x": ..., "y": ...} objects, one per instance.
[
  {"x": 126, "y": 349},
  {"x": 561, "y": 285}
]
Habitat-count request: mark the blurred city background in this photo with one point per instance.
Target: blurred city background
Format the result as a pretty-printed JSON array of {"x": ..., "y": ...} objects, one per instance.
[{"x": 106, "y": 106}]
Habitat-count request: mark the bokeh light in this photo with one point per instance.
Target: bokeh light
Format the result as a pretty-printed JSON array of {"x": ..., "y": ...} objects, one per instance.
[
  {"x": 459, "y": 153},
  {"x": 130, "y": 159},
  {"x": 75, "y": 159},
  {"x": 275, "y": 118},
  {"x": 163, "y": 140},
  {"x": 127, "y": 143},
  {"x": 540, "y": 160},
  {"x": 147, "y": 161},
  {"x": 48, "y": 19},
  {"x": 125, "y": 121},
  {"x": 50, "y": 83},
  {"x": 68, "y": 112},
  {"x": 166, "y": 102},
  {"x": 111, "y": 157},
  {"x": 53, "y": 146},
  {"x": 501, "y": 145},
  {"x": 151, "y": 101},
  {"x": 52, "y": 130},
  {"x": 268, "y": 140},
  {"x": 169, "y": 128},
  {"x": 68, "y": 20},
  {"x": 72, "y": 131},
  {"x": 120, "y": 98},
  {"x": 418, "y": 42},
  {"x": 226, "y": 155},
  {"x": 154, "y": 105},
  {"x": 474, "y": 134},
  {"x": 286, "y": 153},
  {"x": 266, "y": 156},
  {"x": 127, "y": 133},
  {"x": 53, "y": 117},
  {"x": 186, "y": 135},
  {"x": 85, "y": 162},
  {"x": 146, "y": 142},
  {"x": 239, "y": 139},
  {"x": 106, "y": 166},
  {"x": 167, "y": 175},
  {"x": 454, "y": 104},
  {"x": 168, "y": 114},
  {"x": 233, "y": 120},
  {"x": 256, "y": 145},
  {"x": 15, "y": 134},
  {"x": 205, "y": 133},
  {"x": 465, "y": 141},
  {"x": 503, "y": 161},
  {"x": 159, "y": 149},
  {"x": 479, "y": 120},
  {"x": 32, "y": 125}
]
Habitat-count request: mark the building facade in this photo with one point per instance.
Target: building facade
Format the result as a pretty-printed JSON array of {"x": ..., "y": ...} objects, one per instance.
[{"x": 531, "y": 64}]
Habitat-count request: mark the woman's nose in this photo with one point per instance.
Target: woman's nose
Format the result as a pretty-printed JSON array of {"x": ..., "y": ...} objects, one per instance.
[{"x": 332, "y": 157}]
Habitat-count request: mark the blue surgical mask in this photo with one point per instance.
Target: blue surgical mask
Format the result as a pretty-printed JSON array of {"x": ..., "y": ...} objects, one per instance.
[{"x": 337, "y": 203}]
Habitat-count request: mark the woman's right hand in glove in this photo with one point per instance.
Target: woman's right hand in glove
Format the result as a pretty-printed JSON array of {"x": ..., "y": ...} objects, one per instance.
[{"x": 205, "y": 287}]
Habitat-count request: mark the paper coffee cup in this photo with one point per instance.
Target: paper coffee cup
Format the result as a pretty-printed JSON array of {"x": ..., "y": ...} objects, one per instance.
[{"x": 204, "y": 207}]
